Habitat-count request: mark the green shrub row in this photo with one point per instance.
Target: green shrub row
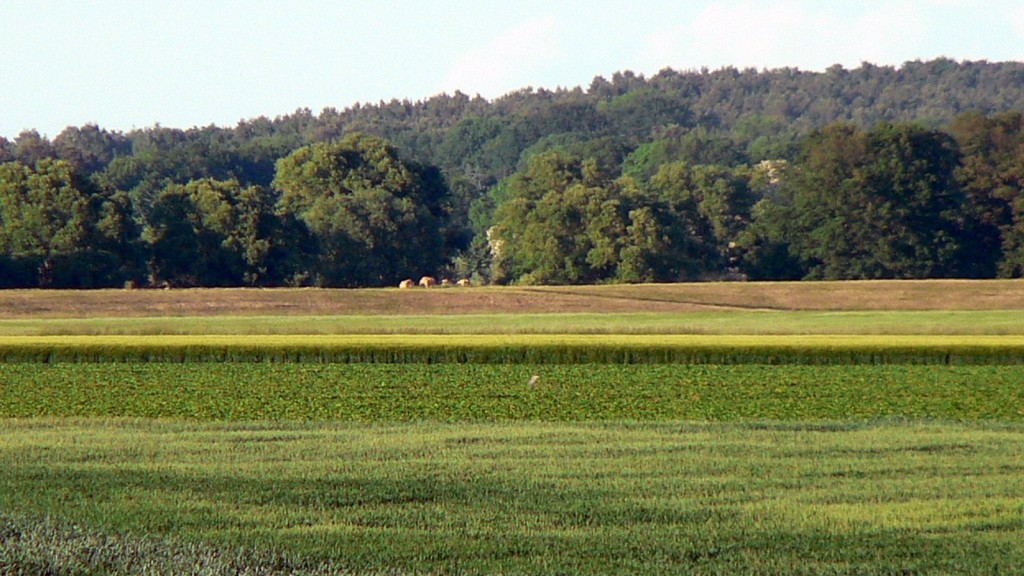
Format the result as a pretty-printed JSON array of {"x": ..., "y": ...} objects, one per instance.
[{"x": 522, "y": 353}]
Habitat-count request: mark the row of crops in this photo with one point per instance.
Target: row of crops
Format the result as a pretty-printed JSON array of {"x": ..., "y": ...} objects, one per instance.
[
  {"x": 514, "y": 377},
  {"x": 505, "y": 392},
  {"x": 520, "y": 349}
]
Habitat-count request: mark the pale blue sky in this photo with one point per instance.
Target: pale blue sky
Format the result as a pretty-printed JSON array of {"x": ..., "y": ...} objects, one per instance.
[{"x": 133, "y": 63}]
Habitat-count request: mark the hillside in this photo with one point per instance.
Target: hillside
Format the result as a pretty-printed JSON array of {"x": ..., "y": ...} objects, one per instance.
[
  {"x": 759, "y": 110},
  {"x": 687, "y": 175}
]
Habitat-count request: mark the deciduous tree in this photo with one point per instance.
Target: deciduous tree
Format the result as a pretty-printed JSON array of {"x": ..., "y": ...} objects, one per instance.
[{"x": 377, "y": 218}]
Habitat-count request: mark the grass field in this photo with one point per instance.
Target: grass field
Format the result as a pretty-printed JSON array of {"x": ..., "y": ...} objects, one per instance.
[
  {"x": 818, "y": 428},
  {"x": 831, "y": 498},
  {"x": 781, "y": 323}
]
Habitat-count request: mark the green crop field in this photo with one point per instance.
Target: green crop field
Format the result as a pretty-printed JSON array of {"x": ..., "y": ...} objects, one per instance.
[
  {"x": 494, "y": 392},
  {"x": 515, "y": 498},
  {"x": 820, "y": 428}
]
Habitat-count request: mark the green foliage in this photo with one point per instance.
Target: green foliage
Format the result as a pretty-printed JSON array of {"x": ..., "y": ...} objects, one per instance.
[
  {"x": 377, "y": 218},
  {"x": 55, "y": 231},
  {"x": 877, "y": 204},
  {"x": 567, "y": 222},
  {"x": 472, "y": 145},
  {"x": 6, "y": 150},
  {"x": 766, "y": 137},
  {"x": 992, "y": 175},
  {"x": 44, "y": 213},
  {"x": 674, "y": 144},
  {"x": 644, "y": 161},
  {"x": 455, "y": 149},
  {"x": 90, "y": 148},
  {"x": 31, "y": 148},
  {"x": 563, "y": 224},
  {"x": 635, "y": 114},
  {"x": 214, "y": 233},
  {"x": 704, "y": 209},
  {"x": 607, "y": 152}
]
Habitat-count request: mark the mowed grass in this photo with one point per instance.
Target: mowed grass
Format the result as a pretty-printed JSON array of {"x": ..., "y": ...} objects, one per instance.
[
  {"x": 928, "y": 322},
  {"x": 618, "y": 498},
  {"x": 503, "y": 392}
]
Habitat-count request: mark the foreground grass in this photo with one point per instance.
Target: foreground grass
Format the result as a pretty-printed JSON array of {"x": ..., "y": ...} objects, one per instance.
[
  {"x": 947, "y": 322},
  {"x": 33, "y": 545},
  {"x": 473, "y": 392},
  {"x": 855, "y": 498}
]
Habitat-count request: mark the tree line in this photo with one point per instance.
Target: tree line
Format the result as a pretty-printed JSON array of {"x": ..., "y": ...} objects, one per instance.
[{"x": 869, "y": 173}]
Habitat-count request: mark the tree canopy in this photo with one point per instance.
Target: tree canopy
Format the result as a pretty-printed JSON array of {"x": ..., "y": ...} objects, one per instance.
[
  {"x": 882, "y": 203},
  {"x": 914, "y": 171},
  {"x": 375, "y": 217}
]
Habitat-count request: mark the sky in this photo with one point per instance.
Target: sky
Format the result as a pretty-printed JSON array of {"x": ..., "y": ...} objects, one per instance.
[{"x": 125, "y": 64}]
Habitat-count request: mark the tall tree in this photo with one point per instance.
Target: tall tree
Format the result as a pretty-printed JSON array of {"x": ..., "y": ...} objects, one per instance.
[
  {"x": 55, "y": 230},
  {"x": 216, "y": 233},
  {"x": 377, "y": 218},
  {"x": 90, "y": 148},
  {"x": 563, "y": 223},
  {"x": 878, "y": 204},
  {"x": 703, "y": 210},
  {"x": 6, "y": 150},
  {"x": 31, "y": 147},
  {"x": 992, "y": 176}
]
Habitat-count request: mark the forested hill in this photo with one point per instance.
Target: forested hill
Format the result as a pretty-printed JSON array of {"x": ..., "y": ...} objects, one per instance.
[{"x": 684, "y": 175}]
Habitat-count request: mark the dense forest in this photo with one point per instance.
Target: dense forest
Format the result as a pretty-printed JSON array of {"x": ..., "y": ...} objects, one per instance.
[{"x": 914, "y": 171}]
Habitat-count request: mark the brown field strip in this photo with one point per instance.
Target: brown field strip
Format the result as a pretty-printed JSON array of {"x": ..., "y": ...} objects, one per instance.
[{"x": 821, "y": 296}]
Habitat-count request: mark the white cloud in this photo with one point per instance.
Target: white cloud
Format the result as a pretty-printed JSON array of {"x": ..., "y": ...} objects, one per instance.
[
  {"x": 737, "y": 33},
  {"x": 889, "y": 35},
  {"x": 508, "y": 61},
  {"x": 1017, "y": 20},
  {"x": 788, "y": 33}
]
